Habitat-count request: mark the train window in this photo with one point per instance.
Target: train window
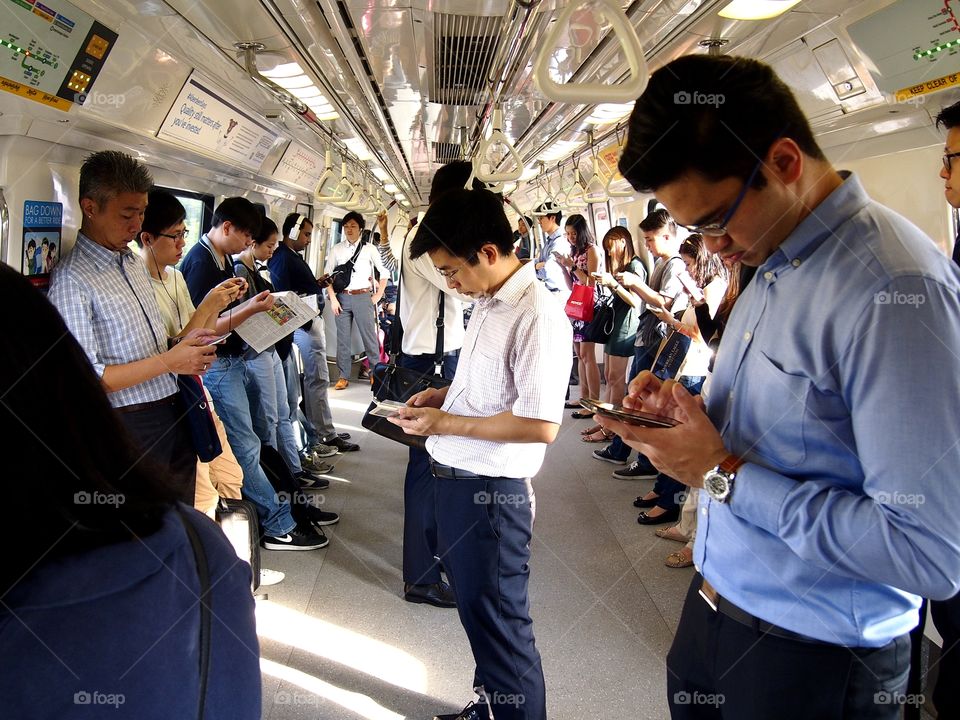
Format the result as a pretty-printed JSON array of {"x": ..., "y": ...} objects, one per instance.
[{"x": 199, "y": 207}]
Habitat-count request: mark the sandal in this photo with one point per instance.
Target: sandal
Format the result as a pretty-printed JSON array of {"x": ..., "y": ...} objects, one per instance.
[
  {"x": 678, "y": 560},
  {"x": 590, "y": 430},
  {"x": 581, "y": 415},
  {"x": 600, "y": 435},
  {"x": 671, "y": 533}
]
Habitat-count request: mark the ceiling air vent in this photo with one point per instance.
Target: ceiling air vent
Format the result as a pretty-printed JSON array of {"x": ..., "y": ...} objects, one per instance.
[
  {"x": 444, "y": 152},
  {"x": 464, "y": 46}
]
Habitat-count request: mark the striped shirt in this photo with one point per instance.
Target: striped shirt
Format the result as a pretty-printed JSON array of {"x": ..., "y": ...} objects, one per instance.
[
  {"x": 107, "y": 302},
  {"x": 515, "y": 358}
]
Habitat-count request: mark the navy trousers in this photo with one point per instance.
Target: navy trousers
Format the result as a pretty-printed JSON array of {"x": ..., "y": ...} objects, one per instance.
[
  {"x": 419, "y": 507},
  {"x": 484, "y": 528}
]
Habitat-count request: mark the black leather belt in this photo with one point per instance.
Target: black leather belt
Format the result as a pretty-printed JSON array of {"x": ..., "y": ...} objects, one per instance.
[
  {"x": 451, "y": 473},
  {"x": 169, "y": 400},
  {"x": 718, "y": 603}
]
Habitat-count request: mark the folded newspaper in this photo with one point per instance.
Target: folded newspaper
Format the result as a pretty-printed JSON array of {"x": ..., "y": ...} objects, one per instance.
[{"x": 289, "y": 312}]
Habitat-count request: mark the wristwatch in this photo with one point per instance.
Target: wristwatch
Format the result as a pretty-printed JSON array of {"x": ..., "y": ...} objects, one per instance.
[{"x": 718, "y": 482}]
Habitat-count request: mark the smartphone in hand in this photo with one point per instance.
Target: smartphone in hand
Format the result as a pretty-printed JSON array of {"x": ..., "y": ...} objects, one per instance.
[
  {"x": 386, "y": 408},
  {"x": 628, "y": 416},
  {"x": 218, "y": 340}
]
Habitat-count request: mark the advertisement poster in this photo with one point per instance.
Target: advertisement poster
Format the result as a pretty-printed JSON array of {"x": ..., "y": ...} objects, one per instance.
[
  {"x": 299, "y": 166},
  {"x": 210, "y": 121},
  {"x": 42, "y": 223}
]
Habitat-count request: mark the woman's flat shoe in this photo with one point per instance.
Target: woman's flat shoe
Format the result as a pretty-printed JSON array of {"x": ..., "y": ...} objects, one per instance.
[
  {"x": 581, "y": 415},
  {"x": 668, "y": 516},
  {"x": 571, "y": 404},
  {"x": 678, "y": 560},
  {"x": 671, "y": 533},
  {"x": 642, "y": 502}
]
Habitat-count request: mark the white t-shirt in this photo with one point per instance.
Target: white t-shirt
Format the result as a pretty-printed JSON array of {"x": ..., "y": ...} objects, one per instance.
[{"x": 173, "y": 297}]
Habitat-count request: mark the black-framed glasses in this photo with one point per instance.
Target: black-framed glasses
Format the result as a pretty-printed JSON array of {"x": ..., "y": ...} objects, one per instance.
[
  {"x": 947, "y": 158},
  {"x": 182, "y": 235},
  {"x": 719, "y": 229},
  {"x": 447, "y": 274}
]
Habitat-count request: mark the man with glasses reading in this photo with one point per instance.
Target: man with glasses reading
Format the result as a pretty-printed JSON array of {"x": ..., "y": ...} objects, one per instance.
[{"x": 828, "y": 445}]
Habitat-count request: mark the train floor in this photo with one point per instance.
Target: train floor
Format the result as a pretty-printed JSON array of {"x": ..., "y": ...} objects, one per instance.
[{"x": 338, "y": 640}]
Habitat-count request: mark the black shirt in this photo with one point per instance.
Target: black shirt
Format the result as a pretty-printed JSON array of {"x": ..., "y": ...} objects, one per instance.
[{"x": 202, "y": 272}]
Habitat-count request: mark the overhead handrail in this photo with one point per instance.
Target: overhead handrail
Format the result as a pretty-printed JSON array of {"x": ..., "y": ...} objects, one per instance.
[
  {"x": 497, "y": 136},
  {"x": 327, "y": 170},
  {"x": 613, "y": 175},
  {"x": 594, "y": 92},
  {"x": 595, "y": 189},
  {"x": 342, "y": 187}
]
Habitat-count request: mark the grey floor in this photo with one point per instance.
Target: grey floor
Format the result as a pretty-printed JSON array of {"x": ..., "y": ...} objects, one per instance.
[{"x": 338, "y": 641}]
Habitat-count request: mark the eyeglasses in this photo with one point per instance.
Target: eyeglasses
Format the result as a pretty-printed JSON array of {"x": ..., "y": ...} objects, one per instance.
[
  {"x": 719, "y": 229},
  {"x": 182, "y": 235},
  {"x": 947, "y": 158},
  {"x": 447, "y": 274}
]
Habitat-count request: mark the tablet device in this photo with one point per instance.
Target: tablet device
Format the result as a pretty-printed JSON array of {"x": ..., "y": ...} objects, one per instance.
[
  {"x": 386, "y": 408},
  {"x": 631, "y": 417}
]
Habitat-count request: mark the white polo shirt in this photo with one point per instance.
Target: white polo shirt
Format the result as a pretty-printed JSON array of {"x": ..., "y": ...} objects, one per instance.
[
  {"x": 369, "y": 257},
  {"x": 515, "y": 358}
]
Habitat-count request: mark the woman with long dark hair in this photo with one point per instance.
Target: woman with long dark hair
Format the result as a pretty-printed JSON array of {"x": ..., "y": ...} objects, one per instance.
[{"x": 100, "y": 583}]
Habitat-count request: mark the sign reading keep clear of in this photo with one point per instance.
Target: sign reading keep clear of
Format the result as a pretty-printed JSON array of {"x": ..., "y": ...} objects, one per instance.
[
  {"x": 42, "y": 224},
  {"x": 208, "y": 120}
]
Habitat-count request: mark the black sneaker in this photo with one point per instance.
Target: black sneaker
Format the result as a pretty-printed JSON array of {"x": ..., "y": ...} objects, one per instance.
[
  {"x": 639, "y": 469},
  {"x": 473, "y": 711},
  {"x": 607, "y": 456},
  {"x": 296, "y": 539},
  {"x": 311, "y": 482},
  {"x": 321, "y": 517},
  {"x": 342, "y": 445}
]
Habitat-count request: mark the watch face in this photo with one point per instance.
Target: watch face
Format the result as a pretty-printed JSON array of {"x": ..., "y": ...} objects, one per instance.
[{"x": 717, "y": 486}]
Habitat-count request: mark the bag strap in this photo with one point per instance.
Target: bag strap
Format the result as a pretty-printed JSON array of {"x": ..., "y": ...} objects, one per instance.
[
  {"x": 203, "y": 572},
  {"x": 396, "y": 330}
]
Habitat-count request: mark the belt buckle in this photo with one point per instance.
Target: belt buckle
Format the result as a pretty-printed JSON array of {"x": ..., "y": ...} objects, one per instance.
[{"x": 710, "y": 596}]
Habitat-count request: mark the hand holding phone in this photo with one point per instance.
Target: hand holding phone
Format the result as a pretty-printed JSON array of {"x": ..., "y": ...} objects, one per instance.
[
  {"x": 386, "y": 408},
  {"x": 217, "y": 340},
  {"x": 628, "y": 416}
]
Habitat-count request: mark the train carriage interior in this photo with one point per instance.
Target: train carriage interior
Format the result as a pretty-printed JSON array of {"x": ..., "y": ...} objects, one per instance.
[{"x": 323, "y": 107}]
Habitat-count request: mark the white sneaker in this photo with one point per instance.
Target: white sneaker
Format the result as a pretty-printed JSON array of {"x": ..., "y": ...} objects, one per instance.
[{"x": 270, "y": 577}]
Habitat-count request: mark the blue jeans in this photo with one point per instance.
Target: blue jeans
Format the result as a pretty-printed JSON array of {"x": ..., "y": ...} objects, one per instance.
[
  {"x": 643, "y": 358},
  {"x": 419, "y": 498},
  {"x": 226, "y": 381},
  {"x": 312, "y": 345},
  {"x": 270, "y": 406}
]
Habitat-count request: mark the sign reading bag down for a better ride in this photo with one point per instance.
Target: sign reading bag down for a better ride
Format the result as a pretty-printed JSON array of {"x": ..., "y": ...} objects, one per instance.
[{"x": 205, "y": 118}]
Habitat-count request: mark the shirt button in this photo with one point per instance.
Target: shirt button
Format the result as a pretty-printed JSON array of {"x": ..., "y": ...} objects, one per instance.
[
  {"x": 747, "y": 335},
  {"x": 768, "y": 276},
  {"x": 796, "y": 262},
  {"x": 704, "y": 511}
]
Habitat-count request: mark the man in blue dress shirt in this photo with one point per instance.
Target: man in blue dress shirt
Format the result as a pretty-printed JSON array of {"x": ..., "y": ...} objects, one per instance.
[{"x": 829, "y": 444}]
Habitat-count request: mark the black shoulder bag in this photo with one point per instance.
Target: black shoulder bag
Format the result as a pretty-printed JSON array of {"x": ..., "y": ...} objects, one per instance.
[
  {"x": 344, "y": 271},
  {"x": 203, "y": 573},
  {"x": 392, "y": 382}
]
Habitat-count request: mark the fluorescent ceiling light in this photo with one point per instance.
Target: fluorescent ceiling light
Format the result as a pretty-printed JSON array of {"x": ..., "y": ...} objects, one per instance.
[
  {"x": 308, "y": 93},
  {"x": 756, "y": 9},
  {"x": 609, "y": 112},
  {"x": 332, "y": 115},
  {"x": 399, "y": 196},
  {"x": 380, "y": 173},
  {"x": 558, "y": 150},
  {"x": 358, "y": 148},
  {"x": 294, "y": 83},
  {"x": 391, "y": 188},
  {"x": 286, "y": 70}
]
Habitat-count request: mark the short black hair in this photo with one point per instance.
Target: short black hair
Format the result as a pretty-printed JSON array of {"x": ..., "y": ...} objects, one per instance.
[
  {"x": 949, "y": 117},
  {"x": 527, "y": 221},
  {"x": 267, "y": 228},
  {"x": 461, "y": 222},
  {"x": 657, "y": 220},
  {"x": 239, "y": 211},
  {"x": 452, "y": 176},
  {"x": 716, "y": 115},
  {"x": 163, "y": 211},
  {"x": 291, "y": 220},
  {"x": 107, "y": 173},
  {"x": 356, "y": 217}
]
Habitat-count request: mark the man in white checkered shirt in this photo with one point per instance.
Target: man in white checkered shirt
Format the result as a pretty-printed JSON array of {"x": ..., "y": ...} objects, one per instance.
[{"x": 488, "y": 435}]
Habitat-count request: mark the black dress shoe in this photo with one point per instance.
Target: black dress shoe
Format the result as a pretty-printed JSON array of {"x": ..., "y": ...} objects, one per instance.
[
  {"x": 473, "y": 711},
  {"x": 668, "y": 516},
  {"x": 342, "y": 445},
  {"x": 343, "y": 436},
  {"x": 641, "y": 503},
  {"x": 438, "y": 594}
]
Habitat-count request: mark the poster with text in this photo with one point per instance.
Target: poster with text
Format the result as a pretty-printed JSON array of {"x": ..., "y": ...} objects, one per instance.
[{"x": 42, "y": 225}]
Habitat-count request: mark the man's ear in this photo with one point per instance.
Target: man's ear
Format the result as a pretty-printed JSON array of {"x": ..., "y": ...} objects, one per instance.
[
  {"x": 785, "y": 161},
  {"x": 490, "y": 252},
  {"x": 88, "y": 206}
]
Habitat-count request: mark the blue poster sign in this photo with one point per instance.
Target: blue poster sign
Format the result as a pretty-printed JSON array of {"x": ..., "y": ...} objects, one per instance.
[{"x": 42, "y": 224}]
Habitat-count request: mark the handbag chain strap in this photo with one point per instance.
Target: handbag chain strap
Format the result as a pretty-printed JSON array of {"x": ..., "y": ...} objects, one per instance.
[{"x": 396, "y": 330}]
